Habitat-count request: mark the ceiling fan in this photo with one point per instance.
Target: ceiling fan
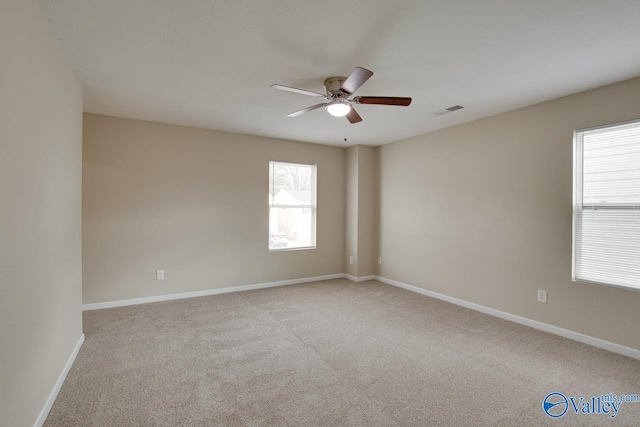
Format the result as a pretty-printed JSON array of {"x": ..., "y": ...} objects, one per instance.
[{"x": 339, "y": 89}]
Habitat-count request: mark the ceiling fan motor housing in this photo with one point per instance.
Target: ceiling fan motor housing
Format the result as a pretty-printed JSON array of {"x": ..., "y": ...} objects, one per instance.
[{"x": 333, "y": 85}]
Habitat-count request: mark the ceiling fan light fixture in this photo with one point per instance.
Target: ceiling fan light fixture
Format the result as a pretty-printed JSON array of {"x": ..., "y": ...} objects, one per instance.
[{"x": 339, "y": 108}]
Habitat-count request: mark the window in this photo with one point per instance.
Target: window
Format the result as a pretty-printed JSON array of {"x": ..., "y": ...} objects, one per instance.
[
  {"x": 292, "y": 206},
  {"x": 606, "y": 205}
]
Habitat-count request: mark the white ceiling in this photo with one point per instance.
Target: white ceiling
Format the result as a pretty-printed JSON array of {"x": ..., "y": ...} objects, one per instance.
[{"x": 210, "y": 63}]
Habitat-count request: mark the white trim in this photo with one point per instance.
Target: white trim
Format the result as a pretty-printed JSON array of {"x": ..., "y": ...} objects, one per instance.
[
  {"x": 576, "y": 336},
  {"x": 608, "y": 125},
  {"x": 360, "y": 278},
  {"x": 44, "y": 413},
  {"x": 158, "y": 298}
]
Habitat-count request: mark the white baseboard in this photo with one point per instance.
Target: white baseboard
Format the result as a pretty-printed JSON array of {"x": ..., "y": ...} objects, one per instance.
[
  {"x": 576, "y": 336},
  {"x": 56, "y": 388},
  {"x": 135, "y": 301},
  {"x": 359, "y": 279}
]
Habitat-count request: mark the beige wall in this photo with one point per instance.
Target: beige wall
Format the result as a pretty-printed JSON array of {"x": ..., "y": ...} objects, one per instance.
[
  {"x": 366, "y": 210},
  {"x": 40, "y": 211},
  {"x": 482, "y": 212},
  {"x": 351, "y": 211},
  {"x": 194, "y": 202},
  {"x": 361, "y": 197}
]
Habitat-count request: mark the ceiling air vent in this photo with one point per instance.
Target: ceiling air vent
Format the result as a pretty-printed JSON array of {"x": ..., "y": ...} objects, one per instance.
[{"x": 448, "y": 110}]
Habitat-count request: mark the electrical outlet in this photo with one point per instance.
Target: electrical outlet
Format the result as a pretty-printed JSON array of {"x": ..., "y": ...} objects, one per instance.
[
  {"x": 159, "y": 274},
  {"x": 379, "y": 260},
  {"x": 350, "y": 260},
  {"x": 542, "y": 296}
]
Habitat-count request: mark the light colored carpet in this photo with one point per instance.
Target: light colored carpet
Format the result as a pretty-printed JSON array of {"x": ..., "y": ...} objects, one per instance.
[{"x": 328, "y": 354}]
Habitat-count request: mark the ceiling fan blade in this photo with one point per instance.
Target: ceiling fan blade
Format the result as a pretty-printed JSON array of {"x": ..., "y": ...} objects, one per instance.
[
  {"x": 382, "y": 100},
  {"x": 356, "y": 79},
  {"x": 304, "y": 110},
  {"x": 300, "y": 91},
  {"x": 353, "y": 116}
]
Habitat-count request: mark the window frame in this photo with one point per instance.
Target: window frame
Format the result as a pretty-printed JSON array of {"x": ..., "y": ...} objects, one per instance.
[
  {"x": 577, "y": 201},
  {"x": 312, "y": 206}
]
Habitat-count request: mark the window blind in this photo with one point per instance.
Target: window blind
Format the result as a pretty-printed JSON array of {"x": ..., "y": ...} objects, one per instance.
[{"x": 606, "y": 207}]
